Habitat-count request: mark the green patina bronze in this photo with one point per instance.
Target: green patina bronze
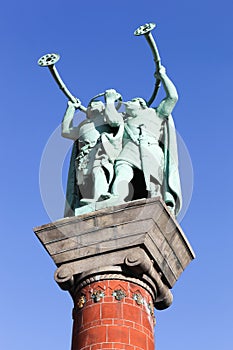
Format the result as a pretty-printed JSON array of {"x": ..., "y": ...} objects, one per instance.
[
  {"x": 120, "y": 155},
  {"x": 98, "y": 142}
]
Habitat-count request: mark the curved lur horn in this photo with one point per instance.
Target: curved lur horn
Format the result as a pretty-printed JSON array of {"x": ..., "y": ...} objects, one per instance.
[
  {"x": 146, "y": 31},
  {"x": 49, "y": 61}
]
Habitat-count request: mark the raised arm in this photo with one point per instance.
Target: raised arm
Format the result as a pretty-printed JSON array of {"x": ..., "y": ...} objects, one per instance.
[
  {"x": 168, "y": 103},
  {"x": 67, "y": 129},
  {"x": 112, "y": 116}
]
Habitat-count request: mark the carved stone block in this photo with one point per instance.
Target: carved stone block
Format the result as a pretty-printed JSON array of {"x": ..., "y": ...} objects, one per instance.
[{"x": 141, "y": 235}]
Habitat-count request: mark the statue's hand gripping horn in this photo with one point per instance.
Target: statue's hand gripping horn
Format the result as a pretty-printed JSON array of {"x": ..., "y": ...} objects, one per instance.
[
  {"x": 49, "y": 61},
  {"x": 146, "y": 31}
]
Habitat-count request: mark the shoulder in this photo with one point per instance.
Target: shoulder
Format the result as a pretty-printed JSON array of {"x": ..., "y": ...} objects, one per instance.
[{"x": 160, "y": 112}]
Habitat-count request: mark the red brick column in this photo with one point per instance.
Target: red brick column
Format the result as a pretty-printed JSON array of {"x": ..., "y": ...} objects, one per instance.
[{"x": 113, "y": 314}]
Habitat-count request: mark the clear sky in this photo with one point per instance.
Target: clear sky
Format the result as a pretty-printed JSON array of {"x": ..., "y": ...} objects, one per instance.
[{"x": 98, "y": 51}]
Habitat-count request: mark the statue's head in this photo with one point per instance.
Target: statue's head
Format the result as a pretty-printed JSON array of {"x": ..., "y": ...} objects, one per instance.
[
  {"x": 94, "y": 108},
  {"x": 87, "y": 134},
  {"x": 134, "y": 105}
]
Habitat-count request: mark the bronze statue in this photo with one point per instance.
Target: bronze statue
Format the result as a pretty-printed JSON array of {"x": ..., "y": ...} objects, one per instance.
[
  {"x": 98, "y": 141},
  {"x": 114, "y": 149}
]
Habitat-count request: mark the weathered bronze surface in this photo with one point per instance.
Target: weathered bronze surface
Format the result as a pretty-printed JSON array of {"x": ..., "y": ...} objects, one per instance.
[{"x": 121, "y": 155}]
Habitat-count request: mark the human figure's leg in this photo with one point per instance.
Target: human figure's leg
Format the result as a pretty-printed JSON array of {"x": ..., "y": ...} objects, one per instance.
[
  {"x": 155, "y": 189},
  {"x": 100, "y": 183},
  {"x": 123, "y": 175}
]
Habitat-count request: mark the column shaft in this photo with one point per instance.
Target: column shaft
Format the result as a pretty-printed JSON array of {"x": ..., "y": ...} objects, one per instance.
[{"x": 113, "y": 314}]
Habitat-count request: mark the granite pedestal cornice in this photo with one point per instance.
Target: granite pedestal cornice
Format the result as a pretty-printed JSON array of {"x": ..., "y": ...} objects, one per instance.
[{"x": 139, "y": 241}]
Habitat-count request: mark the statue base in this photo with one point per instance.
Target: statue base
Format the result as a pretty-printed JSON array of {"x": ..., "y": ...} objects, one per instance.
[{"x": 131, "y": 253}]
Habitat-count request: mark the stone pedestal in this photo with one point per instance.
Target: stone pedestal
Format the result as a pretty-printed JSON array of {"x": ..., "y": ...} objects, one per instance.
[{"x": 118, "y": 264}]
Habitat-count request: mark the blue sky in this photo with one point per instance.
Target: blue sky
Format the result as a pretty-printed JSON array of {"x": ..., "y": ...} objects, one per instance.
[{"x": 98, "y": 51}]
